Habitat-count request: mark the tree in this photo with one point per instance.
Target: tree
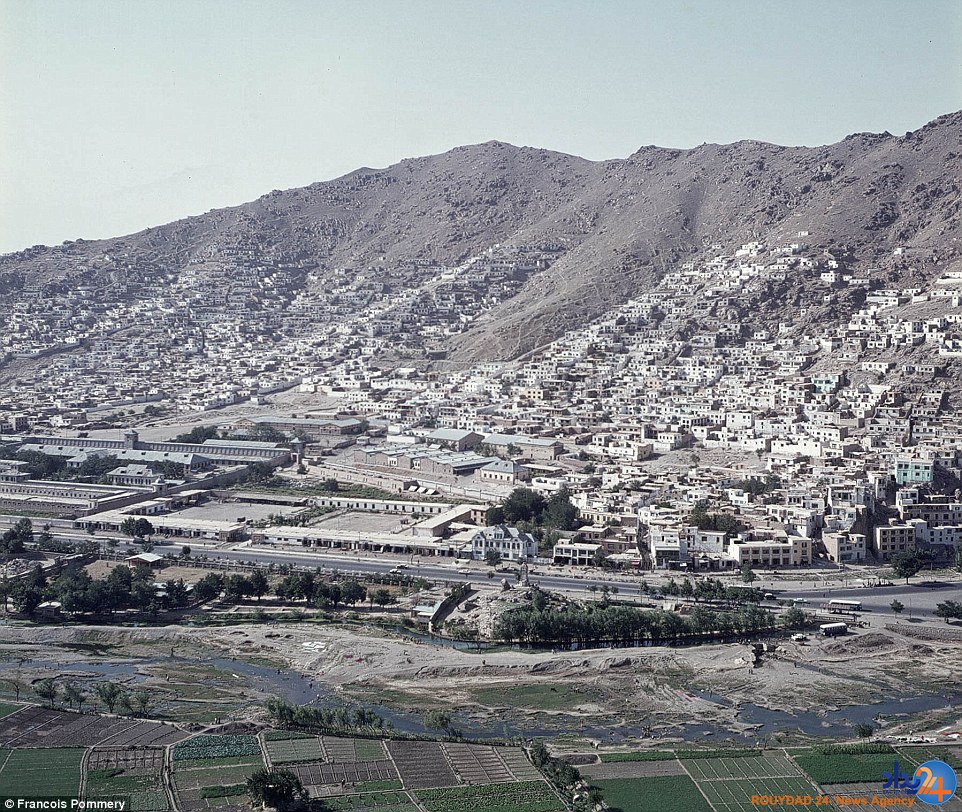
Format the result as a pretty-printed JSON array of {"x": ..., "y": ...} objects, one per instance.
[
  {"x": 281, "y": 789},
  {"x": 494, "y": 515},
  {"x": 862, "y": 730},
  {"x": 47, "y": 690},
  {"x": 352, "y": 592},
  {"x": 948, "y": 610},
  {"x": 185, "y": 551},
  {"x": 897, "y": 606},
  {"x": 748, "y": 574},
  {"x": 559, "y": 513},
  {"x": 330, "y": 484},
  {"x": 522, "y": 505},
  {"x": 906, "y": 564},
  {"x": 383, "y": 597},
  {"x": 73, "y": 695},
  {"x": 438, "y": 720},
  {"x": 108, "y": 693},
  {"x": 258, "y": 584},
  {"x": 492, "y": 558},
  {"x": 129, "y": 526},
  {"x": 794, "y": 618},
  {"x": 209, "y": 587},
  {"x": 143, "y": 528},
  {"x": 141, "y": 702}
]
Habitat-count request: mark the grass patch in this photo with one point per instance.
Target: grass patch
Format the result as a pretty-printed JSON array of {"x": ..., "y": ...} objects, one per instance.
[
  {"x": 670, "y": 793},
  {"x": 545, "y": 696}
]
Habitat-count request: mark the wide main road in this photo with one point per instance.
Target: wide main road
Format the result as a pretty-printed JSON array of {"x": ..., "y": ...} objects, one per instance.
[{"x": 920, "y": 597}]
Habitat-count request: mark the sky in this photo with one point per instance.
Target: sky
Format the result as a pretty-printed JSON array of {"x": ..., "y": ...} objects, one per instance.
[{"x": 116, "y": 115}]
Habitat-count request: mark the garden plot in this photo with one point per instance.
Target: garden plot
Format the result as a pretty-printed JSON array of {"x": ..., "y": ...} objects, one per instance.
[
  {"x": 749, "y": 767},
  {"x": 517, "y": 761},
  {"x": 632, "y": 769},
  {"x": 210, "y": 783},
  {"x": 391, "y": 801},
  {"x": 139, "y": 780},
  {"x": 528, "y": 796},
  {"x": 132, "y": 760},
  {"x": 340, "y": 749},
  {"x": 736, "y": 795},
  {"x": 34, "y": 726},
  {"x": 45, "y": 772},
  {"x": 327, "y": 774},
  {"x": 422, "y": 764},
  {"x": 477, "y": 763},
  {"x": 671, "y": 793},
  {"x": 290, "y": 751}
]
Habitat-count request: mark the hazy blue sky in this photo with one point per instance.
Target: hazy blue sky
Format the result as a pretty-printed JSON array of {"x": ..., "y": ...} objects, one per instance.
[{"x": 119, "y": 115}]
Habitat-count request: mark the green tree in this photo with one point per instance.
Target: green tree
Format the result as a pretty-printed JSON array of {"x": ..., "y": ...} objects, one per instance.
[
  {"x": 523, "y": 505},
  {"x": 948, "y": 610},
  {"x": 897, "y": 606},
  {"x": 383, "y": 597},
  {"x": 143, "y": 527},
  {"x": 352, "y": 592},
  {"x": 280, "y": 789},
  {"x": 129, "y": 526},
  {"x": 438, "y": 720},
  {"x": 141, "y": 702},
  {"x": 47, "y": 690},
  {"x": 906, "y": 564},
  {"x": 794, "y": 618},
  {"x": 492, "y": 558},
  {"x": 559, "y": 513},
  {"x": 209, "y": 587},
  {"x": 494, "y": 515},
  {"x": 108, "y": 693},
  {"x": 748, "y": 574},
  {"x": 862, "y": 730},
  {"x": 258, "y": 584}
]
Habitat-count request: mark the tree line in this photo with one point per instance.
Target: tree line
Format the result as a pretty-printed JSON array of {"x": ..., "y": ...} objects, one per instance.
[
  {"x": 123, "y": 588},
  {"x": 598, "y": 624}
]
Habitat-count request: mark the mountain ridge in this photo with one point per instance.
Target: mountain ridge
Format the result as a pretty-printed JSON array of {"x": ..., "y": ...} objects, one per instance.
[{"x": 620, "y": 222}]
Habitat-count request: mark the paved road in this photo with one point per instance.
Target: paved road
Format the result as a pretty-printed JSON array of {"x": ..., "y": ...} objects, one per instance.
[{"x": 919, "y": 598}]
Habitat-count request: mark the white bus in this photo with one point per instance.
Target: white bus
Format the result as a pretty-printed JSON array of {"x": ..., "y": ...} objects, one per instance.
[{"x": 844, "y": 606}]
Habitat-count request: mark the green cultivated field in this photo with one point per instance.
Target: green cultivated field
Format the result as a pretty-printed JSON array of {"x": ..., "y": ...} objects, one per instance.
[
  {"x": 146, "y": 792},
  {"x": 842, "y": 768},
  {"x": 46, "y": 772},
  {"x": 528, "y": 796},
  {"x": 675, "y": 793}
]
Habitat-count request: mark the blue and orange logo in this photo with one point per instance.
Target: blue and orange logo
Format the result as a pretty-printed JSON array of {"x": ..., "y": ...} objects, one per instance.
[{"x": 933, "y": 782}]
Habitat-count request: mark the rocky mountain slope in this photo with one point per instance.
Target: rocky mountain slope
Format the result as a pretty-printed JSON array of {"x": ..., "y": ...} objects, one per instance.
[{"x": 620, "y": 223}]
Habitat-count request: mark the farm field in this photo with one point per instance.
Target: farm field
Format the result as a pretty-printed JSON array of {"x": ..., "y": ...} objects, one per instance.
[
  {"x": 726, "y": 783},
  {"x": 47, "y": 772},
  {"x": 677, "y": 793},
  {"x": 533, "y": 796},
  {"x": 131, "y": 772}
]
